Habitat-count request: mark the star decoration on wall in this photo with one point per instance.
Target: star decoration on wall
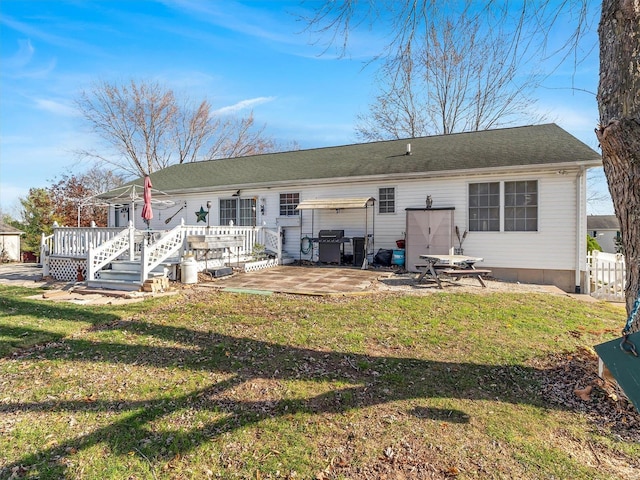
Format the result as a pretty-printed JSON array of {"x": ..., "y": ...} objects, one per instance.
[{"x": 201, "y": 216}]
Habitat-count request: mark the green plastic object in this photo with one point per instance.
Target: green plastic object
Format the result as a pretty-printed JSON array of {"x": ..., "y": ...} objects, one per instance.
[{"x": 623, "y": 365}]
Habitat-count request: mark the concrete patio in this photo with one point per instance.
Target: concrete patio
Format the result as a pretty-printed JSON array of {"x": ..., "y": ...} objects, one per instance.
[{"x": 302, "y": 280}]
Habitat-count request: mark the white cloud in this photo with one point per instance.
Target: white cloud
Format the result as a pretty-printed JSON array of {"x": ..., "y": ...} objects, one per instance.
[
  {"x": 57, "y": 108},
  {"x": 22, "y": 57},
  {"x": 243, "y": 105},
  {"x": 280, "y": 27}
]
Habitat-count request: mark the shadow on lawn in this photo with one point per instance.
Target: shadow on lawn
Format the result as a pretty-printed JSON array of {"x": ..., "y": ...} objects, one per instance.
[
  {"x": 369, "y": 381},
  {"x": 16, "y": 337}
]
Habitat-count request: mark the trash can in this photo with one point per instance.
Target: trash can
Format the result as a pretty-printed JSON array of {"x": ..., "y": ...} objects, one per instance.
[
  {"x": 397, "y": 257},
  {"x": 189, "y": 270}
]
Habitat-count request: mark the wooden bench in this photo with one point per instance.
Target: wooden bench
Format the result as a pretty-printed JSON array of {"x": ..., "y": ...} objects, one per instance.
[
  {"x": 203, "y": 244},
  {"x": 466, "y": 272},
  {"x": 420, "y": 266},
  {"x": 424, "y": 271},
  {"x": 214, "y": 242}
]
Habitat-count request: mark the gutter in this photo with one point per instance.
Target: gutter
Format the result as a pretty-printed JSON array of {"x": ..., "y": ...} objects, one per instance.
[{"x": 581, "y": 217}]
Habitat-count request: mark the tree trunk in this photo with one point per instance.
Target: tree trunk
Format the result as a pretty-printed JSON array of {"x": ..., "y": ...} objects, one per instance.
[{"x": 619, "y": 130}]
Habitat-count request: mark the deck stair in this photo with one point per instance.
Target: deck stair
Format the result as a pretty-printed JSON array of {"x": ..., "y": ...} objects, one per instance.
[{"x": 125, "y": 275}]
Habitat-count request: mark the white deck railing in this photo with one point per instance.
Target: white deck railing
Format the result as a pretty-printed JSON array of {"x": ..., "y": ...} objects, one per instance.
[
  {"x": 99, "y": 246},
  {"x": 606, "y": 276}
]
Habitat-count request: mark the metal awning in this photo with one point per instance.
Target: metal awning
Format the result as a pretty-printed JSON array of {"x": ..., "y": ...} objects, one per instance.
[{"x": 335, "y": 203}]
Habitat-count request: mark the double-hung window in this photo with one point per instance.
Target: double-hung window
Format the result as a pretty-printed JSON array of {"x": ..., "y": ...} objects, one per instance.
[
  {"x": 387, "y": 200},
  {"x": 484, "y": 207},
  {"x": 510, "y": 206},
  {"x": 288, "y": 204},
  {"x": 521, "y": 206}
]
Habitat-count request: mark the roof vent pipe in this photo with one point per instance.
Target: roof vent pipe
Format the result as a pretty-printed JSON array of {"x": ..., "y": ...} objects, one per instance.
[{"x": 408, "y": 149}]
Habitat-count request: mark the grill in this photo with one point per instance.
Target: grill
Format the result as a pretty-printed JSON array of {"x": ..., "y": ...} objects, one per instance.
[{"x": 330, "y": 244}]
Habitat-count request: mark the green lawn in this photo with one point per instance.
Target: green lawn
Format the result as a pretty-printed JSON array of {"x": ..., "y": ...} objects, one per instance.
[{"x": 225, "y": 385}]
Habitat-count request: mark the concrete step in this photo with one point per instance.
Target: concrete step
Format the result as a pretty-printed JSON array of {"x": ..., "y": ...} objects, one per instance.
[
  {"x": 127, "y": 286},
  {"x": 130, "y": 265},
  {"x": 287, "y": 260},
  {"x": 127, "y": 275},
  {"x": 122, "y": 275},
  {"x": 127, "y": 265}
]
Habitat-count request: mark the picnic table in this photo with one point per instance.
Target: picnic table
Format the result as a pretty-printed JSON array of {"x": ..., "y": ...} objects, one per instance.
[{"x": 451, "y": 265}]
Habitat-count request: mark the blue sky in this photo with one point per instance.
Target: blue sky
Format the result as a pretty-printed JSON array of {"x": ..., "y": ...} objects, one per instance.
[{"x": 240, "y": 55}]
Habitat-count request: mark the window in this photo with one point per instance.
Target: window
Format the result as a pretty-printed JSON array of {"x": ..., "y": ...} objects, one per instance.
[
  {"x": 288, "y": 204},
  {"x": 484, "y": 207},
  {"x": 240, "y": 211},
  {"x": 228, "y": 211},
  {"x": 521, "y": 206},
  {"x": 387, "y": 200}
]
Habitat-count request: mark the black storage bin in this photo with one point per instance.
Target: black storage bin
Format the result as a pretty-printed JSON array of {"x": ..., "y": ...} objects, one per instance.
[{"x": 358, "y": 251}]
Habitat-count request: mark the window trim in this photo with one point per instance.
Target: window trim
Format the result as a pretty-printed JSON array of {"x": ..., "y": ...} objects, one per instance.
[
  {"x": 526, "y": 218},
  {"x": 293, "y": 212},
  {"x": 487, "y": 207},
  {"x": 502, "y": 206},
  {"x": 395, "y": 201},
  {"x": 239, "y": 210}
]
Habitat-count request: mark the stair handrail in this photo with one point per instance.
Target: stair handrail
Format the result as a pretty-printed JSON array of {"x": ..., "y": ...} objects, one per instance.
[
  {"x": 166, "y": 246},
  {"x": 99, "y": 256},
  {"x": 273, "y": 241},
  {"x": 46, "y": 247}
]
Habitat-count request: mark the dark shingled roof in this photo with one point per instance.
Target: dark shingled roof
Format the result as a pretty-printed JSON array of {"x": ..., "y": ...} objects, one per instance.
[
  {"x": 602, "y": 222},
  {"x": 501, "y": 148}
]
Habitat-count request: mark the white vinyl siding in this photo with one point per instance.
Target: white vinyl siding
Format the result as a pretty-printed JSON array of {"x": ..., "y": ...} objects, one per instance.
[{"x": 553, "y": 246}]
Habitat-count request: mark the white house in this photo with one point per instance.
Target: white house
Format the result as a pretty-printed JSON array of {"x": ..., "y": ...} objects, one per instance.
[
  {"x": 606, "y": 230},
  {"x": 519, "y": 193},
  {"x": 9, "y": 243}
]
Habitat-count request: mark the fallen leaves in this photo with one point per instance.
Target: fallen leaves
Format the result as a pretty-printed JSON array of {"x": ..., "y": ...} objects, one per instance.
[
  {"x": 563, "y": 378},
  {"x": 584, "y": 393}
]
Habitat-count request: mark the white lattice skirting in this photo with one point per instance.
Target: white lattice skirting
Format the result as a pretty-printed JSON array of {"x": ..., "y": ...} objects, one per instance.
[
  {"x": 66, "y": 269},
  {"x": 260, "y": 265}
]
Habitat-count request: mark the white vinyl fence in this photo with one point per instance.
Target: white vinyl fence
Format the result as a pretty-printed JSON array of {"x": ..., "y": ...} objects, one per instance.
[{"x": 606, "y": 276}]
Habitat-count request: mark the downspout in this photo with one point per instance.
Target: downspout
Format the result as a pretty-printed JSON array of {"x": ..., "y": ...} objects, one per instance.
[{"x": 580, "y": 219}]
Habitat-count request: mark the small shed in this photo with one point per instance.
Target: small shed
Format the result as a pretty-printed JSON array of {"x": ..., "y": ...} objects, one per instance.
[{"x": 9, "y": 243}]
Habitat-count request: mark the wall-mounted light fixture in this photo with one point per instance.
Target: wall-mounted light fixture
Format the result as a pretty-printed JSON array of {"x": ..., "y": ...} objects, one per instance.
[
  {"x": 208, "y": 213},
  {"x": 262, "y": 205}
]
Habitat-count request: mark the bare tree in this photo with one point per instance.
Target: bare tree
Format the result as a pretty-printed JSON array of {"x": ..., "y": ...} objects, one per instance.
[
  {"x": 596, "y": 196},
  {"x": 239, "y": 138},
  {"x": 399, "y": 110},
  {"x": 99, "y": 180},
  {"x": 145, "y": 128},
  {"x": 619, "y": 88},
  {"x": 446, "y": 82}
]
